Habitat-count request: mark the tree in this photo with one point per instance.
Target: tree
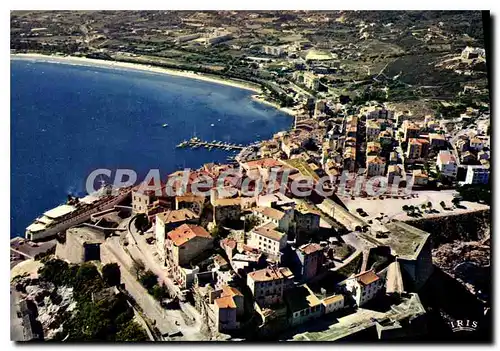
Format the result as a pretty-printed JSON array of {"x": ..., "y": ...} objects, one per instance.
[
  {"x": 131, "y": 332},
  {"x": 148, "y": 280},
  {"x": 141, "y": 222},
  {"x": 215, "y": 232},
  {"x": 251, "y": 222},
  {"x": 405, "y": 208},
  {"x": 138, "y": 267},
  {"x": 443, "y": 205},
  {"x": 57, "y": 272},
  {"x": 87, "y": 280},
  {"x": 111, "y": 274},
  {"x": 159, "y": 292},
  {"x": 429, "y": 204}
]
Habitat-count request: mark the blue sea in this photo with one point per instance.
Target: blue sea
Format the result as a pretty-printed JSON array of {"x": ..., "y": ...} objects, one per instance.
[{"x": 68, "y": 120}]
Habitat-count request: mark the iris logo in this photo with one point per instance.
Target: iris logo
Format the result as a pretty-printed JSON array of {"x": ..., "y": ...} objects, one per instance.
[{"x": 463, "y": 325}]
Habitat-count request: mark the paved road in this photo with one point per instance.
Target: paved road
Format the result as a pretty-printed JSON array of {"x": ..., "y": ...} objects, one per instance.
[
  {"x": 22, "y": 253},
  {"x": 139, "y": 248},
  {"x": 148, "y": 254},
  {"x": 113, "y": 252},
  {"x": 167, "y": 321}
]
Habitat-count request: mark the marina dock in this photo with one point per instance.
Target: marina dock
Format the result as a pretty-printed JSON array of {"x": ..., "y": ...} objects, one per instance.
[{"x": 197, "y": 142}]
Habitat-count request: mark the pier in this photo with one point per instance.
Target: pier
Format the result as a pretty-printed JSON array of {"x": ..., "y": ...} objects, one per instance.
[{"x": 196, "y": 143}]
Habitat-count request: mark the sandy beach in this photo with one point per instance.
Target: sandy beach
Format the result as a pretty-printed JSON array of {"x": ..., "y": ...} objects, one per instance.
[
  {"x": 260, "y": 99},
  {"x": 83, "y": 61}
]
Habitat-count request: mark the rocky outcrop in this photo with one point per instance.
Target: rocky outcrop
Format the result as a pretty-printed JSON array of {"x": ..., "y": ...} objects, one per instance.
[
  {"x": 51, "y": 303},
  {"x": 462, "y": 248},
  {"x": 468, "y": 262},
  {"x": 465, "y": 227}
]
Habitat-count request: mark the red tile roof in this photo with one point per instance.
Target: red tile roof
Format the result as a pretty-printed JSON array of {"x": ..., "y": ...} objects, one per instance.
[
  {"x": 270, "y": 212},
  {"x": 264, "y": 163},
  {"x": 186, "y": 232},
  {"x": 230, "y": 291},
  {"x": 367, "y": 277},
  {"x": 231, "y": 243},
  {"x": 225, "y": 302},
  {"x": 446, "y": 157},
  {"x": 310, "y": 248},
  {"x": 271, "y": 273},
  {"x": 269, "y": 231},
  {"x": 418, "y": 141},
  {"x": 375, "y": 159},
  {"x": 333, "y": 299}
]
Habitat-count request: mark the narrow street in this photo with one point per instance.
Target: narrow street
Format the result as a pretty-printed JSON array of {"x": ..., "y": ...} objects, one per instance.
[
  {"x": 113, "y": 252},
  {"x": 167, "y": 320},
  {"x": 147, "y": 253},
  {"x": 139, "y": 248}
]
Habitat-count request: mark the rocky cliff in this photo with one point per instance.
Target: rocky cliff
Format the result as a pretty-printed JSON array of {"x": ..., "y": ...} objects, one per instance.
[{"x": 461, "y": 248}]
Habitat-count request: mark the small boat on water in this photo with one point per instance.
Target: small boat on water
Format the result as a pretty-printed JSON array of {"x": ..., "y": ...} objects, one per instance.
[
  {"x": 212, "y": 125},
  {"x": 164, "y": 125}
]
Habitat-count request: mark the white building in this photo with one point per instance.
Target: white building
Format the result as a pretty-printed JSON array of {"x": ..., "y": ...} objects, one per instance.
[
  {"x": 477, "y": 175},
  {"x": 471, "y": 53},
  {"x": 267, "y": 285},
  {"x": 218, "y": 36},
  {"x": 274, "y": 50},
  {"x": 476, "y": 144},
  {"x": 311, "y": 80},
  {"x": 280, "y": 219},
  {"x": 277, "y": 199},
  {"x": 188, "y": 37},
  {"x": 333, "y": 303},
  {"x": 374, "y": 112},
  {"x": 372, "y": 130},
  {"x": 267, "y": 239},
  {"x": 365, "y": 286},
  {"x": 375, "y": 166},
  {"x": 447, "y": 164}
]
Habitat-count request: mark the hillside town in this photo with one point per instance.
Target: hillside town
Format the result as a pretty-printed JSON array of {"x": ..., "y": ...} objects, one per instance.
[{"x": 320, "y": 233}]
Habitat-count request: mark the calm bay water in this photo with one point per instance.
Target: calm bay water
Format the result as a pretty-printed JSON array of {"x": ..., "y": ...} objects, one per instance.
[{"x": 68, "y": 120}]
